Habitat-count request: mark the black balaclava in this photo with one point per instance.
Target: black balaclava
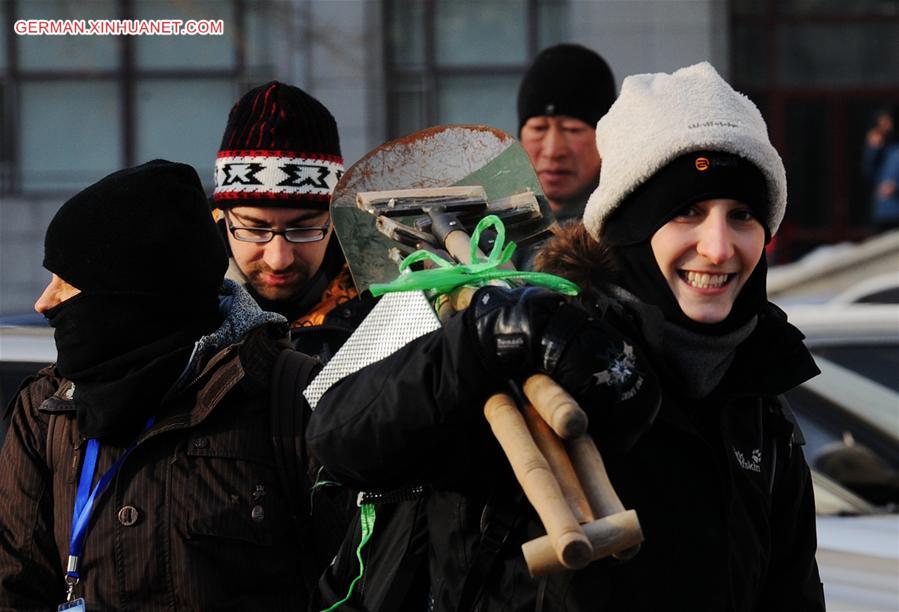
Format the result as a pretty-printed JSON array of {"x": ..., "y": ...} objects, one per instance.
[
  {"x": 691, "y": 178},
  {"x": 143, "y": 250}
]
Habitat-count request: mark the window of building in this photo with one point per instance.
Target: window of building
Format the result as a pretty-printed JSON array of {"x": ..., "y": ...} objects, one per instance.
[
  {"x": 460, "y": 61},
  {"x": 819, "y": 70},
  {"x": 74, "y": 108}
]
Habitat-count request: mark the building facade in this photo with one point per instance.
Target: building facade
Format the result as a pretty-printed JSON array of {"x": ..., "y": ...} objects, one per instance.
[{"x": 74, "y": 108}]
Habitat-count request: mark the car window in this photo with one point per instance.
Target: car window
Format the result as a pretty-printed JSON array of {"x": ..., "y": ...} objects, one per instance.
[
  {"x": 833, "y": 499},
  {"x": 884, "y": 296},
  {"x": 880, "y": 363},
  {"x": 847, "y": 449}
]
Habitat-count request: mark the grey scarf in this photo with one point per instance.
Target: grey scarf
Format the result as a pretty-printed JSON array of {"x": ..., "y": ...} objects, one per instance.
[{"x": 700, "y": 361}]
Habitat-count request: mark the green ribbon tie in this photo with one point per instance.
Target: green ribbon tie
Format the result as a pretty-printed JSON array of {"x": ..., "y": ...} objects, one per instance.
[{"x": 449, "y": 275}]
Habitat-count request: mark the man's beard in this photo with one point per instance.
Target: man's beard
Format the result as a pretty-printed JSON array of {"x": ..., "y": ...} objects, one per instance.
[{"x": 280, "y": 292}]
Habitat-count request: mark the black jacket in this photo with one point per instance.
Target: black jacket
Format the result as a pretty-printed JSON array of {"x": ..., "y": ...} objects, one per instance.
[{"x": 721, "y": 487}]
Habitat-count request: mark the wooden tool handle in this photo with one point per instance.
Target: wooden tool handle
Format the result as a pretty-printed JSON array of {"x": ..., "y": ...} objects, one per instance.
[
  {"x": 556, "y": 406},
  {"x": 458, "y": 244},
  {"x": 591, "y": 471},
  {"x": 460, "y": 297},
  {"x": 557, "y": 457},
  {"x": 610, "y": 535},
  {"x": 536, "y": 478}
]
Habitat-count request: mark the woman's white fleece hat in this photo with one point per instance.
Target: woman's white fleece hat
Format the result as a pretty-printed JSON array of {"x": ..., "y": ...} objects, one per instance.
[{"x": 659, "y": 117}]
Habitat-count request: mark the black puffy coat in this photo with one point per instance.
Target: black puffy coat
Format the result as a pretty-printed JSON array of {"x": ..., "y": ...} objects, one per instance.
[{"x": 721, "y": 487}]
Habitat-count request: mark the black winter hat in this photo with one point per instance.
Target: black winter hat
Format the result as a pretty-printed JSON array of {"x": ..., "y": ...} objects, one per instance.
[
  {"x": 143, "y": 230},
  {"x": 280, "y": 148},
  {"x": 568, "y": 80},
  {"x": 690, "y": 178}
]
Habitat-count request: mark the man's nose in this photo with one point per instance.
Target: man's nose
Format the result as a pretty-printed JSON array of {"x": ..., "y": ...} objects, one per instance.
[
  {"x": 555, "y": 144},
  {"x": 47, "y": 300},
  {"x": 278, "y": 254}
]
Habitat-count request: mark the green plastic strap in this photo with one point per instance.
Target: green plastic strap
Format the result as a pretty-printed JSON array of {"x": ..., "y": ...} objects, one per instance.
[
  {"x": 367, "y": 522},
  {"x": 448, "y": 275}
]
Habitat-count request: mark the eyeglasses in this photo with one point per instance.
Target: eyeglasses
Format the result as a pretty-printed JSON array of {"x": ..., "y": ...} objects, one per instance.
[{"x": 261, "y": 235}]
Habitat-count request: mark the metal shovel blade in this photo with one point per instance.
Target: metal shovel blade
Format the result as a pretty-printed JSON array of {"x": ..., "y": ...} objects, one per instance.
[{"x": 444, "y": 156}]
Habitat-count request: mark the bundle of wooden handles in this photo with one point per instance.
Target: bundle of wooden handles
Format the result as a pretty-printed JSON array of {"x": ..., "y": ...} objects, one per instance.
[
  {"x": 556, "y": 463},
  {"x": 562, "y": 474}
]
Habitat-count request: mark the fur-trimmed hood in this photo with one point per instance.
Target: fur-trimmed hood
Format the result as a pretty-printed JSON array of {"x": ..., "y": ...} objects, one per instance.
[{"x": 572, "y": 253}]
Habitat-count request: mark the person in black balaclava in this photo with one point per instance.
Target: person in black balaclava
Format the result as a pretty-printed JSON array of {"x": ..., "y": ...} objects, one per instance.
[
  {"x": 139, "y": 470},
  {"x": 277, "y": 166},
  {"x": 121, "y": 337},
  {"x": 672, "y": 350}
]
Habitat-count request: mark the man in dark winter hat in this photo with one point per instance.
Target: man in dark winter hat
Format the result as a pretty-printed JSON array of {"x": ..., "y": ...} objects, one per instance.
[
  {"x": 562, "y": 96},
  {"x": 138, "y": 471},
  {"x": 277, "y": 165}
]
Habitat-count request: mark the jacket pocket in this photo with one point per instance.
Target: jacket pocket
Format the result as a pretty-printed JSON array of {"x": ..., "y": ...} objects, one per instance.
[{"x": 234, "y": 490}]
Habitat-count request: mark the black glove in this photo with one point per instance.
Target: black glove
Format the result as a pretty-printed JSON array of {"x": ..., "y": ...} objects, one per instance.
[
  {"x": 523, "y": 331},
  {"x": 607, "y": 375},
  {"x": 508, "y": 325}
]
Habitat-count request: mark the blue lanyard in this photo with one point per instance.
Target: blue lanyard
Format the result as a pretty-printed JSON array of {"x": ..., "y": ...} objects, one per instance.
[{"x": 84, "y": 502}]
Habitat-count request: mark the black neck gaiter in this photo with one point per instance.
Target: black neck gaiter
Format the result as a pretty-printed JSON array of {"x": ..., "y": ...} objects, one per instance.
[{"x": 124, "y": 352}]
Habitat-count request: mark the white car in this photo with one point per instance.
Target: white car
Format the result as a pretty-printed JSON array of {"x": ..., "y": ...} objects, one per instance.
[{"x": 849, "y": 416}]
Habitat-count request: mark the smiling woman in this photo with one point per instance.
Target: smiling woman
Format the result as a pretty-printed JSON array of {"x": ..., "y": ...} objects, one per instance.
[
  {"x": 671, "y": 252},
  {"x": 671, "y": 349},
  {"x": 706, "y": 254}
]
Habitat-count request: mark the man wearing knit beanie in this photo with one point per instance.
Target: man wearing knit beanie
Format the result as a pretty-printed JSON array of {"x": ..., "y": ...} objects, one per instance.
[
  {"x": 277, "y": 166},
  {"x": 562, "y": 96},
  {"x": 138, "y": 470}
]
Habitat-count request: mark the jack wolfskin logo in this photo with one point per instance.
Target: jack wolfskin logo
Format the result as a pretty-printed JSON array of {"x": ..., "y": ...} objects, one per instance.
[
  {"x": 726, "y": 124},
  {"x": 753, "y": 464}
]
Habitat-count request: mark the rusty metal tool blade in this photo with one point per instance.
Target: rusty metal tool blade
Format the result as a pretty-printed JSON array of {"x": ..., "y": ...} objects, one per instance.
[{"x": 444, "y": 156}]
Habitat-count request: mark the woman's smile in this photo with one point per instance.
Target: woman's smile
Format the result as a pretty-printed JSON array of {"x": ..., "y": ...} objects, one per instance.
[{"x": 706, "y": 254}]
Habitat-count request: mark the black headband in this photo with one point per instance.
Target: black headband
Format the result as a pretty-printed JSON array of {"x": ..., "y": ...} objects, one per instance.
[{"x": 691, "y": 178}]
